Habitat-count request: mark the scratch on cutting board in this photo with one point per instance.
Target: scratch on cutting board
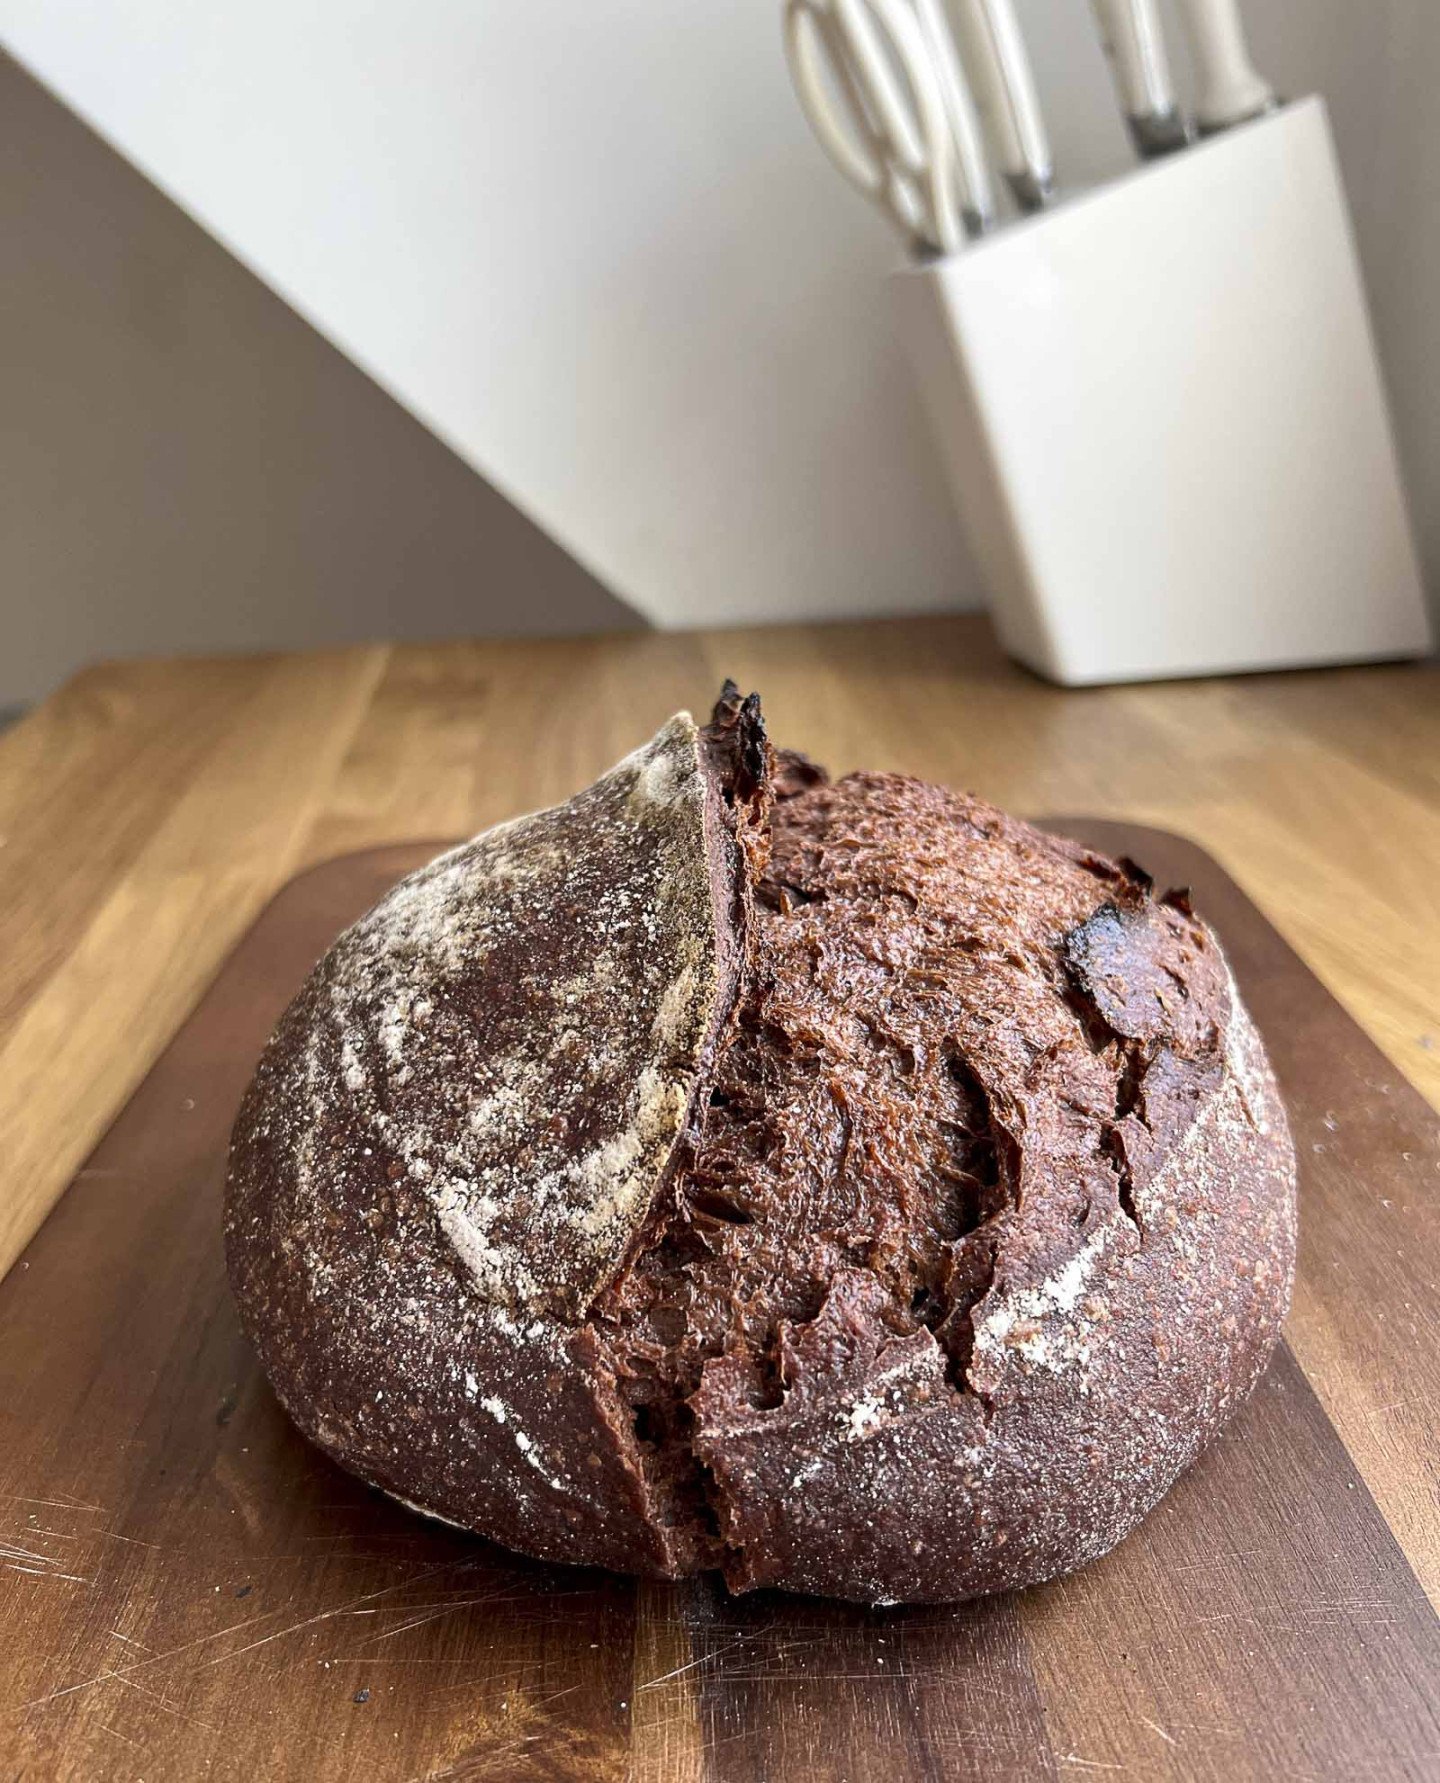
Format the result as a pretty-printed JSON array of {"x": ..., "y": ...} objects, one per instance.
[
  {"x": 413, "y": 1609},
  {"x": 69, "y": 1535},
  {"x": 169, "y": 1707},
  {"x": 9, "y": 1553},
  {"x": 433, "y": 1615},
  {"x": 652, "y": 1728},
  {"x": 544, "y": 1702},
  {"x": 1155, "y": 1727},
  {"x": 42, "y": 1566},
  {"x": 690, "y": 1665},
  {"x": 39, "y": 1702},
  {"x": 58, "y": 1504},
  {"x": 1089, "y": 1764},
  {"x": 341, "y": 1610},
  {"x": 453, "y": 1659},
  {"x": 1213, "y": 1560},
  {"x": 249, "y": 1622},
  {"x": 105, "y": 1727}
]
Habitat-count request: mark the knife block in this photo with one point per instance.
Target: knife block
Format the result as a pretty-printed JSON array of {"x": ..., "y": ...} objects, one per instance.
[{"x": 1163, "y": 420}]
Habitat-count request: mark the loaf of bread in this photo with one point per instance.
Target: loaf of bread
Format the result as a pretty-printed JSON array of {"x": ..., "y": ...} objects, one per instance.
[{"x": 844, "y": 1186}]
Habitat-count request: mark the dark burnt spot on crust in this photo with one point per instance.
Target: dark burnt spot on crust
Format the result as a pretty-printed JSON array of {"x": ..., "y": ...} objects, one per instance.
[
  {"x": 1135, "y": 875},
  {"x": 736, "y": 742},
  {"x": 1142, "y": 983},
  {"x": 1127, "y": 880}
]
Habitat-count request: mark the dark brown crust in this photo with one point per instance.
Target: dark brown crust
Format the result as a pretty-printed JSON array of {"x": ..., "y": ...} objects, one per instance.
[{"x": 1008, "y": 1235}]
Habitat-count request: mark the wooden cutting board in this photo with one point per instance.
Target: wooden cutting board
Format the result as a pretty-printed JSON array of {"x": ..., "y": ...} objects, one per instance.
[{"x": 188, "y": 1591}]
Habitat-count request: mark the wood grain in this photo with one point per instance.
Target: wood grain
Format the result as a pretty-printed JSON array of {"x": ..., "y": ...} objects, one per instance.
[
  {"x": 126, "y": 878},
  {"x": 187, "y": 1589}
]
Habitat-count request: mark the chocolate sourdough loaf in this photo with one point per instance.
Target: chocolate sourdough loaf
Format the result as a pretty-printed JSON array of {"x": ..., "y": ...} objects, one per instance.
[{"x": 844, "y": 1185}]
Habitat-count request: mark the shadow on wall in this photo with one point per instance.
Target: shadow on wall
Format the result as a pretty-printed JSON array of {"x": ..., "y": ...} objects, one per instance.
[{"x": 187, "y": 465}]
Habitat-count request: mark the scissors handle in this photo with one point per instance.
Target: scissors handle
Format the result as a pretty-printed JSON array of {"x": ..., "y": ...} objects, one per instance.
[{"x": 895, "y": 145}]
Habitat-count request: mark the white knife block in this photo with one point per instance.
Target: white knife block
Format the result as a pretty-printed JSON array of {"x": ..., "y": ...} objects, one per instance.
[{"x": 1163, "y": 420}]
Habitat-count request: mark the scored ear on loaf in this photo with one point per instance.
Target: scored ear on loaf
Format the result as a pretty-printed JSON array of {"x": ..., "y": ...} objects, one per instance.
[{"x": 842, "y": 1185}]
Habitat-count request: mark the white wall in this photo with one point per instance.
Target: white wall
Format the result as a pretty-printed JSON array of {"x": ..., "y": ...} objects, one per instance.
[
  {"x": 595, "y": 249},
  {"x": 186, "y": 465},
  {"x": 590, "y": 245}
]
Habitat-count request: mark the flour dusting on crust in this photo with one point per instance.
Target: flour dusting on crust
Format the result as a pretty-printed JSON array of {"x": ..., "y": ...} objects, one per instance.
[{"x": 519, "y": 1027}]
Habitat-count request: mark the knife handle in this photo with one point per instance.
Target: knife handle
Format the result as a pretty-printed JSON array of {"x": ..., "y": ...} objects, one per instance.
[
  {"x": 977, "y": 197},
  {"x": 1130, "y": 33},
  {"x": 1135, "y": 48},
  {"x": 993, "y": 53},
  {"x": 1230, "y": 88}
]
